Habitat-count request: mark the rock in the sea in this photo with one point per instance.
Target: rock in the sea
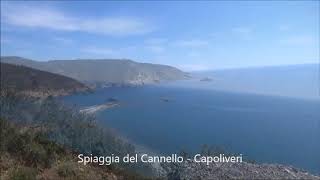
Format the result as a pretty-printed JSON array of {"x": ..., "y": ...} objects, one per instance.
[{"x": 206, "y": 79}]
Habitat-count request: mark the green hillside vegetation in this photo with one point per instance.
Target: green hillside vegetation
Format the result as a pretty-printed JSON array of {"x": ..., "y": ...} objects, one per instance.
[
  {"x": 27, "y": 154},
  {"x": 31, "y": 81},
  {"x": 41, "y": 138}
]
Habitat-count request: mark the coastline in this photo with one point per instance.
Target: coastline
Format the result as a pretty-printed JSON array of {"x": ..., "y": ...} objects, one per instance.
[{"x": 161, "y": 169}]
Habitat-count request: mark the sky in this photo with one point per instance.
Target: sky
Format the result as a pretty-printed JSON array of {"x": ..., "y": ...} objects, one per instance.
[{"x": 187, "y": 34}]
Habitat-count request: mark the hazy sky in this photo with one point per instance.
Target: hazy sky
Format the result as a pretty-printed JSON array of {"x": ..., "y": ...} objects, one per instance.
[{"x": 190, "y": 35}]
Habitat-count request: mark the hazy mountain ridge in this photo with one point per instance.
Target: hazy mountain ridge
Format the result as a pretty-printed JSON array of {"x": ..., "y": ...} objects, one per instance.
[
  {"x": 104, "y": 71},
  {"x": 35, "y": 82}
]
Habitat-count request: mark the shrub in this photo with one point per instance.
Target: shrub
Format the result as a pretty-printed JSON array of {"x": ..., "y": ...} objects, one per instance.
[
  {"x": 35, "y": 155},
  {"x": 67, "y": 169},
  {"x": 23, "y": 173}
]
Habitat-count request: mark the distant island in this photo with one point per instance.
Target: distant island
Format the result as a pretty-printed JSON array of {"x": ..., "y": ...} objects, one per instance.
[
  {"x": 206, "y": 79},
  {"x": 166, "y": 99}
]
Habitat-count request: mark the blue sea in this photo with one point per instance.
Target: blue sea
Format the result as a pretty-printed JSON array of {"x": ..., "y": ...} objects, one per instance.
[{"x": 168, "y": 118}]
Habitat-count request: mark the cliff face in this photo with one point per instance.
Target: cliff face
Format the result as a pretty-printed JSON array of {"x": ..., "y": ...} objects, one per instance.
[
  {"x": 105, "y": 71},
  {"x": 36, "y": 83},
  {"x": 193, "y": 170}
]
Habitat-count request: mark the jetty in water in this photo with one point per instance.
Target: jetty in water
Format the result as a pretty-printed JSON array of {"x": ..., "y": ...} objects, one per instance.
[{"x": 100, "y": 107}]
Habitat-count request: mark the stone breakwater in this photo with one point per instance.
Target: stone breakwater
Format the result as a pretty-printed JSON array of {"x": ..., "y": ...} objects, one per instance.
[{"x": 101, "y": 107}]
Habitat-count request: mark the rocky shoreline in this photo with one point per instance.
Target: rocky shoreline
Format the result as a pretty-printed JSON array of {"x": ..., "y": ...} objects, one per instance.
[
  {"x": 54, "y": 93},
  {"x": 192, "y": 170}
]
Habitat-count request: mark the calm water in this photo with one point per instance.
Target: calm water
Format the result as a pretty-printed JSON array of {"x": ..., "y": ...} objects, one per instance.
[{"x": 263, "y": 128}]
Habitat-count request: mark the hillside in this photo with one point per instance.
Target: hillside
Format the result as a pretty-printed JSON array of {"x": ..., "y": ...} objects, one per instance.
[
  {"x": 36, "y": 82},
  {"x": 27, "y": 154},
  {"x": 41, "y": 139},
  {"x": 104, "y": 71}
]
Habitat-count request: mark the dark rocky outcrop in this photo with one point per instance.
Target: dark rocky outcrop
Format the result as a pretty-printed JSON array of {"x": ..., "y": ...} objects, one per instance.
[{"x": 36, "y": 83}]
